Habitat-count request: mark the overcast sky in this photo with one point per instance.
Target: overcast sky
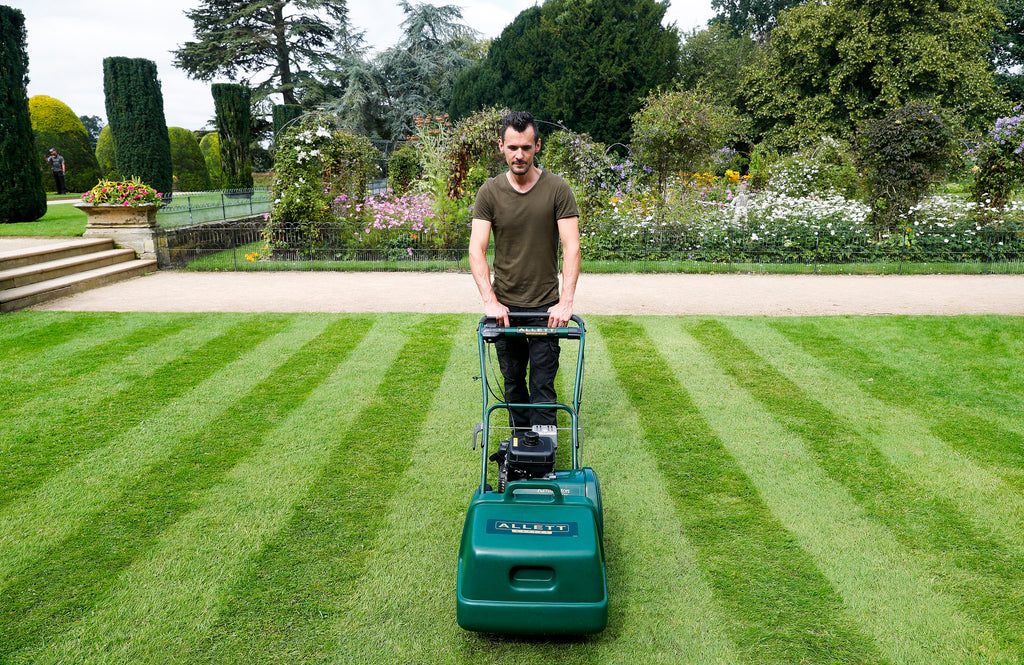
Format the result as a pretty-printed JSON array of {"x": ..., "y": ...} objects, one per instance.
[{"x": 68, "y": 39}]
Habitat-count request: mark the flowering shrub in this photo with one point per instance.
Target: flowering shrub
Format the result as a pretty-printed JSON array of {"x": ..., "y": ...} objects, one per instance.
[
  {"x": 584, "y": 164},
  {"x": 701, "y": 225},
  {"x": 823, "y": 169},
  {"x": 315, "y": 163},
  {"x": 131, "y": 193},
  {"x": 1001, "y": 162}
]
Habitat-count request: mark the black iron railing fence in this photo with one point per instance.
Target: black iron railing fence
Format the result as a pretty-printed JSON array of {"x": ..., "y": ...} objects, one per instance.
[{"x": 250, "y": 245}]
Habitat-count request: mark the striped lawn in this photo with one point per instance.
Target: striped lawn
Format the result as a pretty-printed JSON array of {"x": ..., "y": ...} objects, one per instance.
[{"x": 239, "y": 488}]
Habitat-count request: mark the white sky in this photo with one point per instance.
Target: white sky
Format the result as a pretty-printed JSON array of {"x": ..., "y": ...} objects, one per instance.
[{"x": 68, "y": 40}]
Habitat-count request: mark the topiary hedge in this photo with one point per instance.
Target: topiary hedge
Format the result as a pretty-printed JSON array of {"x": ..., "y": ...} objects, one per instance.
[
  {"x": 22, "y": 197},
  {"x": 135, "y": 109},
  {"x": 55, "y": 125},
  {"x": 190, "y": 172},
  {"x": 210, "y": 147},
  {"x": 106, "y": 155}
]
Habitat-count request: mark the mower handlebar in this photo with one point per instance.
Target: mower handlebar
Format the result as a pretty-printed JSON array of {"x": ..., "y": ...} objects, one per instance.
[{"x": 490, "y": 330}]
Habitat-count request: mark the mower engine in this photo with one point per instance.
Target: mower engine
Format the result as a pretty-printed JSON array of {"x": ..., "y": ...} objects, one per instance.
[{"x": 527, "y": 455}]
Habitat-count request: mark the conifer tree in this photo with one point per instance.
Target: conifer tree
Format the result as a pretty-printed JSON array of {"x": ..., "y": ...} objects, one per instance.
[
  {"x": 22, "y": 197},
  {"x": 231, "y": 103},
  {"x": 135, "y": 110}
]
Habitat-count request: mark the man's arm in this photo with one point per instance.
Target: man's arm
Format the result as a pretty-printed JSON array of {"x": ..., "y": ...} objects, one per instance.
[
  {"x": 479, "y": 239},
  {"x": 569, "y": 233}
]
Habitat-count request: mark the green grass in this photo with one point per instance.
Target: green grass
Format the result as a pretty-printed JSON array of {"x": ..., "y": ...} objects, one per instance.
[
  {"x": 239, "y": 488},
  {"x": 62, "y": 219}
]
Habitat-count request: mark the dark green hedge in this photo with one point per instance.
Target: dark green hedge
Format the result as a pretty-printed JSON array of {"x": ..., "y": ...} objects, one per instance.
[
  {"x": 189, "y": 163},
  {"x": 231, "y": 103},
  {"x": 22, "y": 197},
  {"x": 135, "y": 110}
]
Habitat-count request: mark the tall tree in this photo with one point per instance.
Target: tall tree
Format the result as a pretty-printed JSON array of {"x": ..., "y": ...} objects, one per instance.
[
  {"x": 832, "y": 65},
  {"x": 135, "y": 109},
  {"x": 381, "y": 96},
  {"x": 22, "y": 197},
  {"x": 234, "y": 128},
  {"x": 578, "y": 62},
  {"x": 751, "y": 18},
  {"x": 1008, "y": 50},
  {"x": 287, "y": 41}
]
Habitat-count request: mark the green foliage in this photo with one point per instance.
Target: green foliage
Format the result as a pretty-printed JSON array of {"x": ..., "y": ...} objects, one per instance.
[
  {"x": 56, "y": 126},
  {"x": 234, "y": 129},
  {"x": 135, "y": 110},
  {"x": 404, "y": 168},
  {"x": 190, "y": 172},
  {"x": 904, "y": 153},
  {"x": 584, "y": 165},
  {"x": 22, "y": 196},
  {"x": 579, "y": 63},
  {"x": 290, "y": 42},
  {"x": 210, "y": 147},
  {"x": 832, "y": 65},
  {"x": 93, "y": 126},
  {"x": 713, "y": 59},
  {"x": 474, "y": 150},
  {"x": 1000, "y": 162},
  {"x": 284, "y": 114},
  {"x": 754, "y": 18},
  {"x": 419, "y": 72},
  {"x": 106, "y": 155},
  {"x": 317, "y": 163},
  {"x": 822, "y": 168},
  {"x": 679, "y": 131}
]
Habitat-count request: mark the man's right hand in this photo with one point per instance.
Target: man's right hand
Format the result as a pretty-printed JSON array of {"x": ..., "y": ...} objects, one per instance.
[{"x": 496, "y": 310}]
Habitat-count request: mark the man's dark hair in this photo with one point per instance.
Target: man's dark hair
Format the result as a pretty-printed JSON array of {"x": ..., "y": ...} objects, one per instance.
[{"x": 519, "y": 121}]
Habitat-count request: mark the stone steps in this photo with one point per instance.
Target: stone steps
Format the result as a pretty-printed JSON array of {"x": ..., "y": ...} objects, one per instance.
[{"x": 33, "y": 275}]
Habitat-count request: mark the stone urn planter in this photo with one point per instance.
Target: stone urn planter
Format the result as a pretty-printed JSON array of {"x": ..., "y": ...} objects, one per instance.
[{"x": 134, "y": 227}]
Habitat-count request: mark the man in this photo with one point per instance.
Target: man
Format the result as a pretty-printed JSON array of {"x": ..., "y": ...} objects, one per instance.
[
  {"x": 529, "y": 210},
  {"x": 59, "y": 168}
]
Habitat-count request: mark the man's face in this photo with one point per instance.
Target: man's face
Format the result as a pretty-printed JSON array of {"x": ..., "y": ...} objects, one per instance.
[{"x": 519, "y": 149}]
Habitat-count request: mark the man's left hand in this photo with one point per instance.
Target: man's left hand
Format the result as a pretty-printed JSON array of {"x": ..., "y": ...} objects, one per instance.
[{"x": 559, "y": 315}]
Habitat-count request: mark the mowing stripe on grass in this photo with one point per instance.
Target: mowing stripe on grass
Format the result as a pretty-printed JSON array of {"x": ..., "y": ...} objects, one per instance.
[
  {"x": 78, "y": 570},
  {"x": 963, "y": 428},
  {"x": 987, "y": 577},
  {"x": 166, "y": 601},
  {"x": 777, "y": 605},
  {"x": 61, "y": 367},
  {"x": 30, "y": 336},
  {"x": 303, "y": 574},
  {"x": 900, "y": 430},
  {"x": 662, "y": 606},
  {"x": 37, "y": 455},
  {"x": 54, "y": 509},
  {"x": 889, "y": 592}
]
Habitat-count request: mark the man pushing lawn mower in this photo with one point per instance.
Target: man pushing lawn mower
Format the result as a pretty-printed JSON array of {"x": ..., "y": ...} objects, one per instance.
[
  {"x": 529, "y": 211},
  {"x": 531, "y": 559}
]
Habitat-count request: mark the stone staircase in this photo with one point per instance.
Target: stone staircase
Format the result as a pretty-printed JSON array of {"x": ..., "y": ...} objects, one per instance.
[{"x": 32, "y": 275}]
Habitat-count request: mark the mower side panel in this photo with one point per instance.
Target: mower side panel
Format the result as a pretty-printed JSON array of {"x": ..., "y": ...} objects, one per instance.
[{"x": 532, "y": 565}]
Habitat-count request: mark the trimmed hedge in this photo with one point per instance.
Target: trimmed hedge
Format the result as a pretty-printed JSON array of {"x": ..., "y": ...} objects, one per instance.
[
  {"x": 55, "y": 125},
  {"x": 210, "y": 147},
  {"x": 106, "y": 155},
  {"x": 190, "y": 169},
  {"x": 22, "y": 197},
  {"x": 135, "y": 109}
]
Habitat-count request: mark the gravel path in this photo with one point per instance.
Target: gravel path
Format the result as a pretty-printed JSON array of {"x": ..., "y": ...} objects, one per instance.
[{"x": 768, "y": 295}]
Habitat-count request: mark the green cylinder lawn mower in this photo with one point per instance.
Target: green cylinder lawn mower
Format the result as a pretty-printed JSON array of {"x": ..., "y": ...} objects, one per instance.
[{"x": 532, "y": 554}]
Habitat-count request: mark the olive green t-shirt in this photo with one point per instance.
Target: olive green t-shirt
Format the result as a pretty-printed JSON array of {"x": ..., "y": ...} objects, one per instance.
[{"x": 525, "y": 228}]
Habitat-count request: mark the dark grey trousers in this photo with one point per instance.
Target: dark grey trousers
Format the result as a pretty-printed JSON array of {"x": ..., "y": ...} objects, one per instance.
[{"x": 529, "y": 365}]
